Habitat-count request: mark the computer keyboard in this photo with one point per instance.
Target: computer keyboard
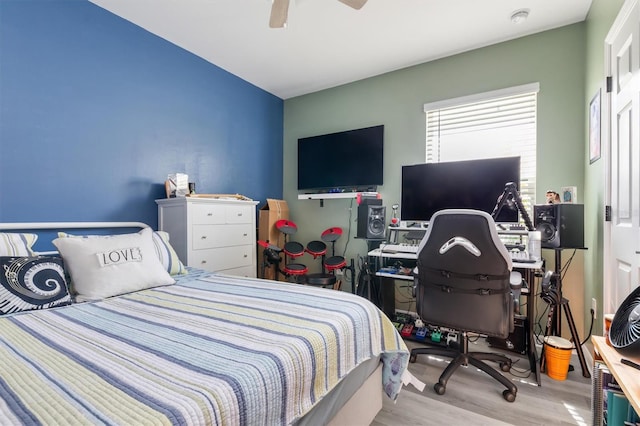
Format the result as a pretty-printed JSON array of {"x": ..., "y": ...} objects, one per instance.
[
  {"x": 518, "y": 256},
  {"x": 399, "y": 248}
]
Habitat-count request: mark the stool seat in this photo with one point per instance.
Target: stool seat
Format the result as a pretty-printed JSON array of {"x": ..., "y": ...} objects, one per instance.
[{"x": 321, "y": 280}]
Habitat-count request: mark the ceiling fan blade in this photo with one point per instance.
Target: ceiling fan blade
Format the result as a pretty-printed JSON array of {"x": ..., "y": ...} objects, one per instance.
[
  {"x": 279, "y": 12},
  {"x": 356, "y": 4}
]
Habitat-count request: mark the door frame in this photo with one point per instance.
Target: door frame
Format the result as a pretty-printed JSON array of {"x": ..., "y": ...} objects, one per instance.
[{"x": 608, "y": 304}]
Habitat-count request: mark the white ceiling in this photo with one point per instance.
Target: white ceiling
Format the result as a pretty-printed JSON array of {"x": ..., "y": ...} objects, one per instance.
[{"x": 326, "y": 43}]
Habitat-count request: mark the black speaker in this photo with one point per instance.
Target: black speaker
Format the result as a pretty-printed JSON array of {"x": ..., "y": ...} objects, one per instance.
[
  {"x": 561, "y": 225},
  {"x": 371, "y": 219}
]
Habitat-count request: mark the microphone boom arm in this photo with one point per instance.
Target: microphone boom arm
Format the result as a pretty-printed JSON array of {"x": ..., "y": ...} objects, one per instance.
[{"x": 511, "y": 190}]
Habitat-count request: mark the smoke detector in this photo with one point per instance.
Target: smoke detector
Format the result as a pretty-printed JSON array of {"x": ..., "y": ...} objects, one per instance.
[{"x": 519, "y": 16}]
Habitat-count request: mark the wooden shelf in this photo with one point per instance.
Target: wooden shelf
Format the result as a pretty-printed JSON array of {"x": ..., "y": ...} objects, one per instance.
[{"x": 627, "y": 377}]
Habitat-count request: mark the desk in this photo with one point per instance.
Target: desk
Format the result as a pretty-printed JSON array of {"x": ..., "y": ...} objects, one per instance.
[
  {"x": 528, "y": 271},
  {"x": 627, "y": 377}
]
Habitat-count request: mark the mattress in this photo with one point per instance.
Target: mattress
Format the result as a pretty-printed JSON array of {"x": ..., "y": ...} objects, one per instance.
[{"x": 211, "y": 349}]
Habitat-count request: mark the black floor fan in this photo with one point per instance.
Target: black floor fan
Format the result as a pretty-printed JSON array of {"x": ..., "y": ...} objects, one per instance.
[{"x": 624, "y": 333}]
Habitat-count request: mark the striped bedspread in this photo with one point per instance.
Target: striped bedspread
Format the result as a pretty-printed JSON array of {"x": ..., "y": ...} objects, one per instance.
[{"x": 211, "y": 349}]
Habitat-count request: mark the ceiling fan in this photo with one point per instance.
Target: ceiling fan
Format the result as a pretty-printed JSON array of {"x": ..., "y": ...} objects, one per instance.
[{"x": 280, "y": 10}]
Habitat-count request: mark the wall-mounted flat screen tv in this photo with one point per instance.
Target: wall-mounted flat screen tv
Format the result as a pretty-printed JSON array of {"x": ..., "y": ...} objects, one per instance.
[
  {"x": 472, "y": 184},
  {"x": 346, "y": 161}
]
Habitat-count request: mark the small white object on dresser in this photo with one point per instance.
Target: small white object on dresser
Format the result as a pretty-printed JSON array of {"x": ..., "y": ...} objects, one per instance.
[{"x": 217, "y": 235}]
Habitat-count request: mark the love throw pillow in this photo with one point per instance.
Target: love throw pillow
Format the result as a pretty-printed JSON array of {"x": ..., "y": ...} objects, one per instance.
[{"x": 105, "y": 266}]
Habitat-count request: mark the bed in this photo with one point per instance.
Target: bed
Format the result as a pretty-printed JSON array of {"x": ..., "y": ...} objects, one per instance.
[{"x": 185, "y": 347}]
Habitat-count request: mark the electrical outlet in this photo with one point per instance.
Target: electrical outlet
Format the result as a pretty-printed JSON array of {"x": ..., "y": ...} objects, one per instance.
[{"x": 594, "y": 306}]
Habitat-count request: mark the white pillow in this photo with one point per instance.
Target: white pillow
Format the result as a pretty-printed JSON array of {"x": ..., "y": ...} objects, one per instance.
[
  {"x": 166, "y": 253},
  {"x": 116, "y": 264}
]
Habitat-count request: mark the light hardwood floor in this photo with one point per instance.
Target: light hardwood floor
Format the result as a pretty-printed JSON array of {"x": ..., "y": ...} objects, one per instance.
[{"x": 474, "y": 398}]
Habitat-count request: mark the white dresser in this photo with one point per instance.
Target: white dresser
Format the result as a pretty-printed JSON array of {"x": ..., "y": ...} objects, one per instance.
[{"x": 212, "y": 234}]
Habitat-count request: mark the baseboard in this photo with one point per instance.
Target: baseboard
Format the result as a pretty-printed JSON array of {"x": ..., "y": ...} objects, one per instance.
[{"x": 588, "y": 354}]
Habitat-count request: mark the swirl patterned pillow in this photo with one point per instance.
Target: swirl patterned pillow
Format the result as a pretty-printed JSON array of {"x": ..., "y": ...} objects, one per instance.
[{"x": 28, "y": 283}]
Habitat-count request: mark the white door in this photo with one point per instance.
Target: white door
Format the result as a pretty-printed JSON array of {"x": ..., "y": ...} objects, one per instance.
[{"x": 622, "y": 234}]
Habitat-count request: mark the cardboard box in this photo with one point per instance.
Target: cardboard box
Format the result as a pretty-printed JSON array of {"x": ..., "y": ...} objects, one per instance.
[{"x": 270, "y": 213}]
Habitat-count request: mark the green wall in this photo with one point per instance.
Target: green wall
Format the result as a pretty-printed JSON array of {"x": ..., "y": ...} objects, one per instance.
[{"x": 556, "y": 59}]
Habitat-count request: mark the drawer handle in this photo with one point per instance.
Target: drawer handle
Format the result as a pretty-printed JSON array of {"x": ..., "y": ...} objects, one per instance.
[
  {"x": 209, "y": 214},
  {"x": 239, "y": 214},
  {"x": 244, "y": 235},
  {"x": 203, "y": 262},
  {"x": 204, "y": 237},
  {"x": 246, "y": 255}
]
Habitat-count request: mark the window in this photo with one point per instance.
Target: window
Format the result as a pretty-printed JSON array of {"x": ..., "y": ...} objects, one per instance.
[{"x": 501, "y": 123}]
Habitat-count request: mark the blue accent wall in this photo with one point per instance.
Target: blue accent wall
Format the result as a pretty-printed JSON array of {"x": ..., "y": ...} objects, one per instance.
[{"x": 96, "y": 111}]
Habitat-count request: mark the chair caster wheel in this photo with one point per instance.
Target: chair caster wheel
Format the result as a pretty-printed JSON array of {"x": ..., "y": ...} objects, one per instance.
[
  {"x": 440, "y": 388},
  {"x": 509, "y": 396},
  {"x": 505, "y": 366},
  {"x": 413, "y": 358}
]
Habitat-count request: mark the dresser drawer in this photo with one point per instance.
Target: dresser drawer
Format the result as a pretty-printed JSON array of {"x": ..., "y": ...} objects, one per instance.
[
  {"x": 208, "y": 214},
  {"x": 240, "y": 214},
  {"x": 216, "y": 235},
  {"x": 212, "y": 236},
  {"x": 218, "y": 259}
]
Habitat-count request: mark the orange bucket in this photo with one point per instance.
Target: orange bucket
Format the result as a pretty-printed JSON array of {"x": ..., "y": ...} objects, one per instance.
[{"x": 557, "y": 353}]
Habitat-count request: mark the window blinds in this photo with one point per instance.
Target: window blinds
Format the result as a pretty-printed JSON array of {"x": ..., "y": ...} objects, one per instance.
[{"x": 488, "y": 125}]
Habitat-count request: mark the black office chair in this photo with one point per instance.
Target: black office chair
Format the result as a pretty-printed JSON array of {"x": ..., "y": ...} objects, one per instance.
[{"x": 463, "y": 283}]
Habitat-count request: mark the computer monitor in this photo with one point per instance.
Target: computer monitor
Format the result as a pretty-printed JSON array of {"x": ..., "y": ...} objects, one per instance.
[{"x": 471, "y": 184}]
